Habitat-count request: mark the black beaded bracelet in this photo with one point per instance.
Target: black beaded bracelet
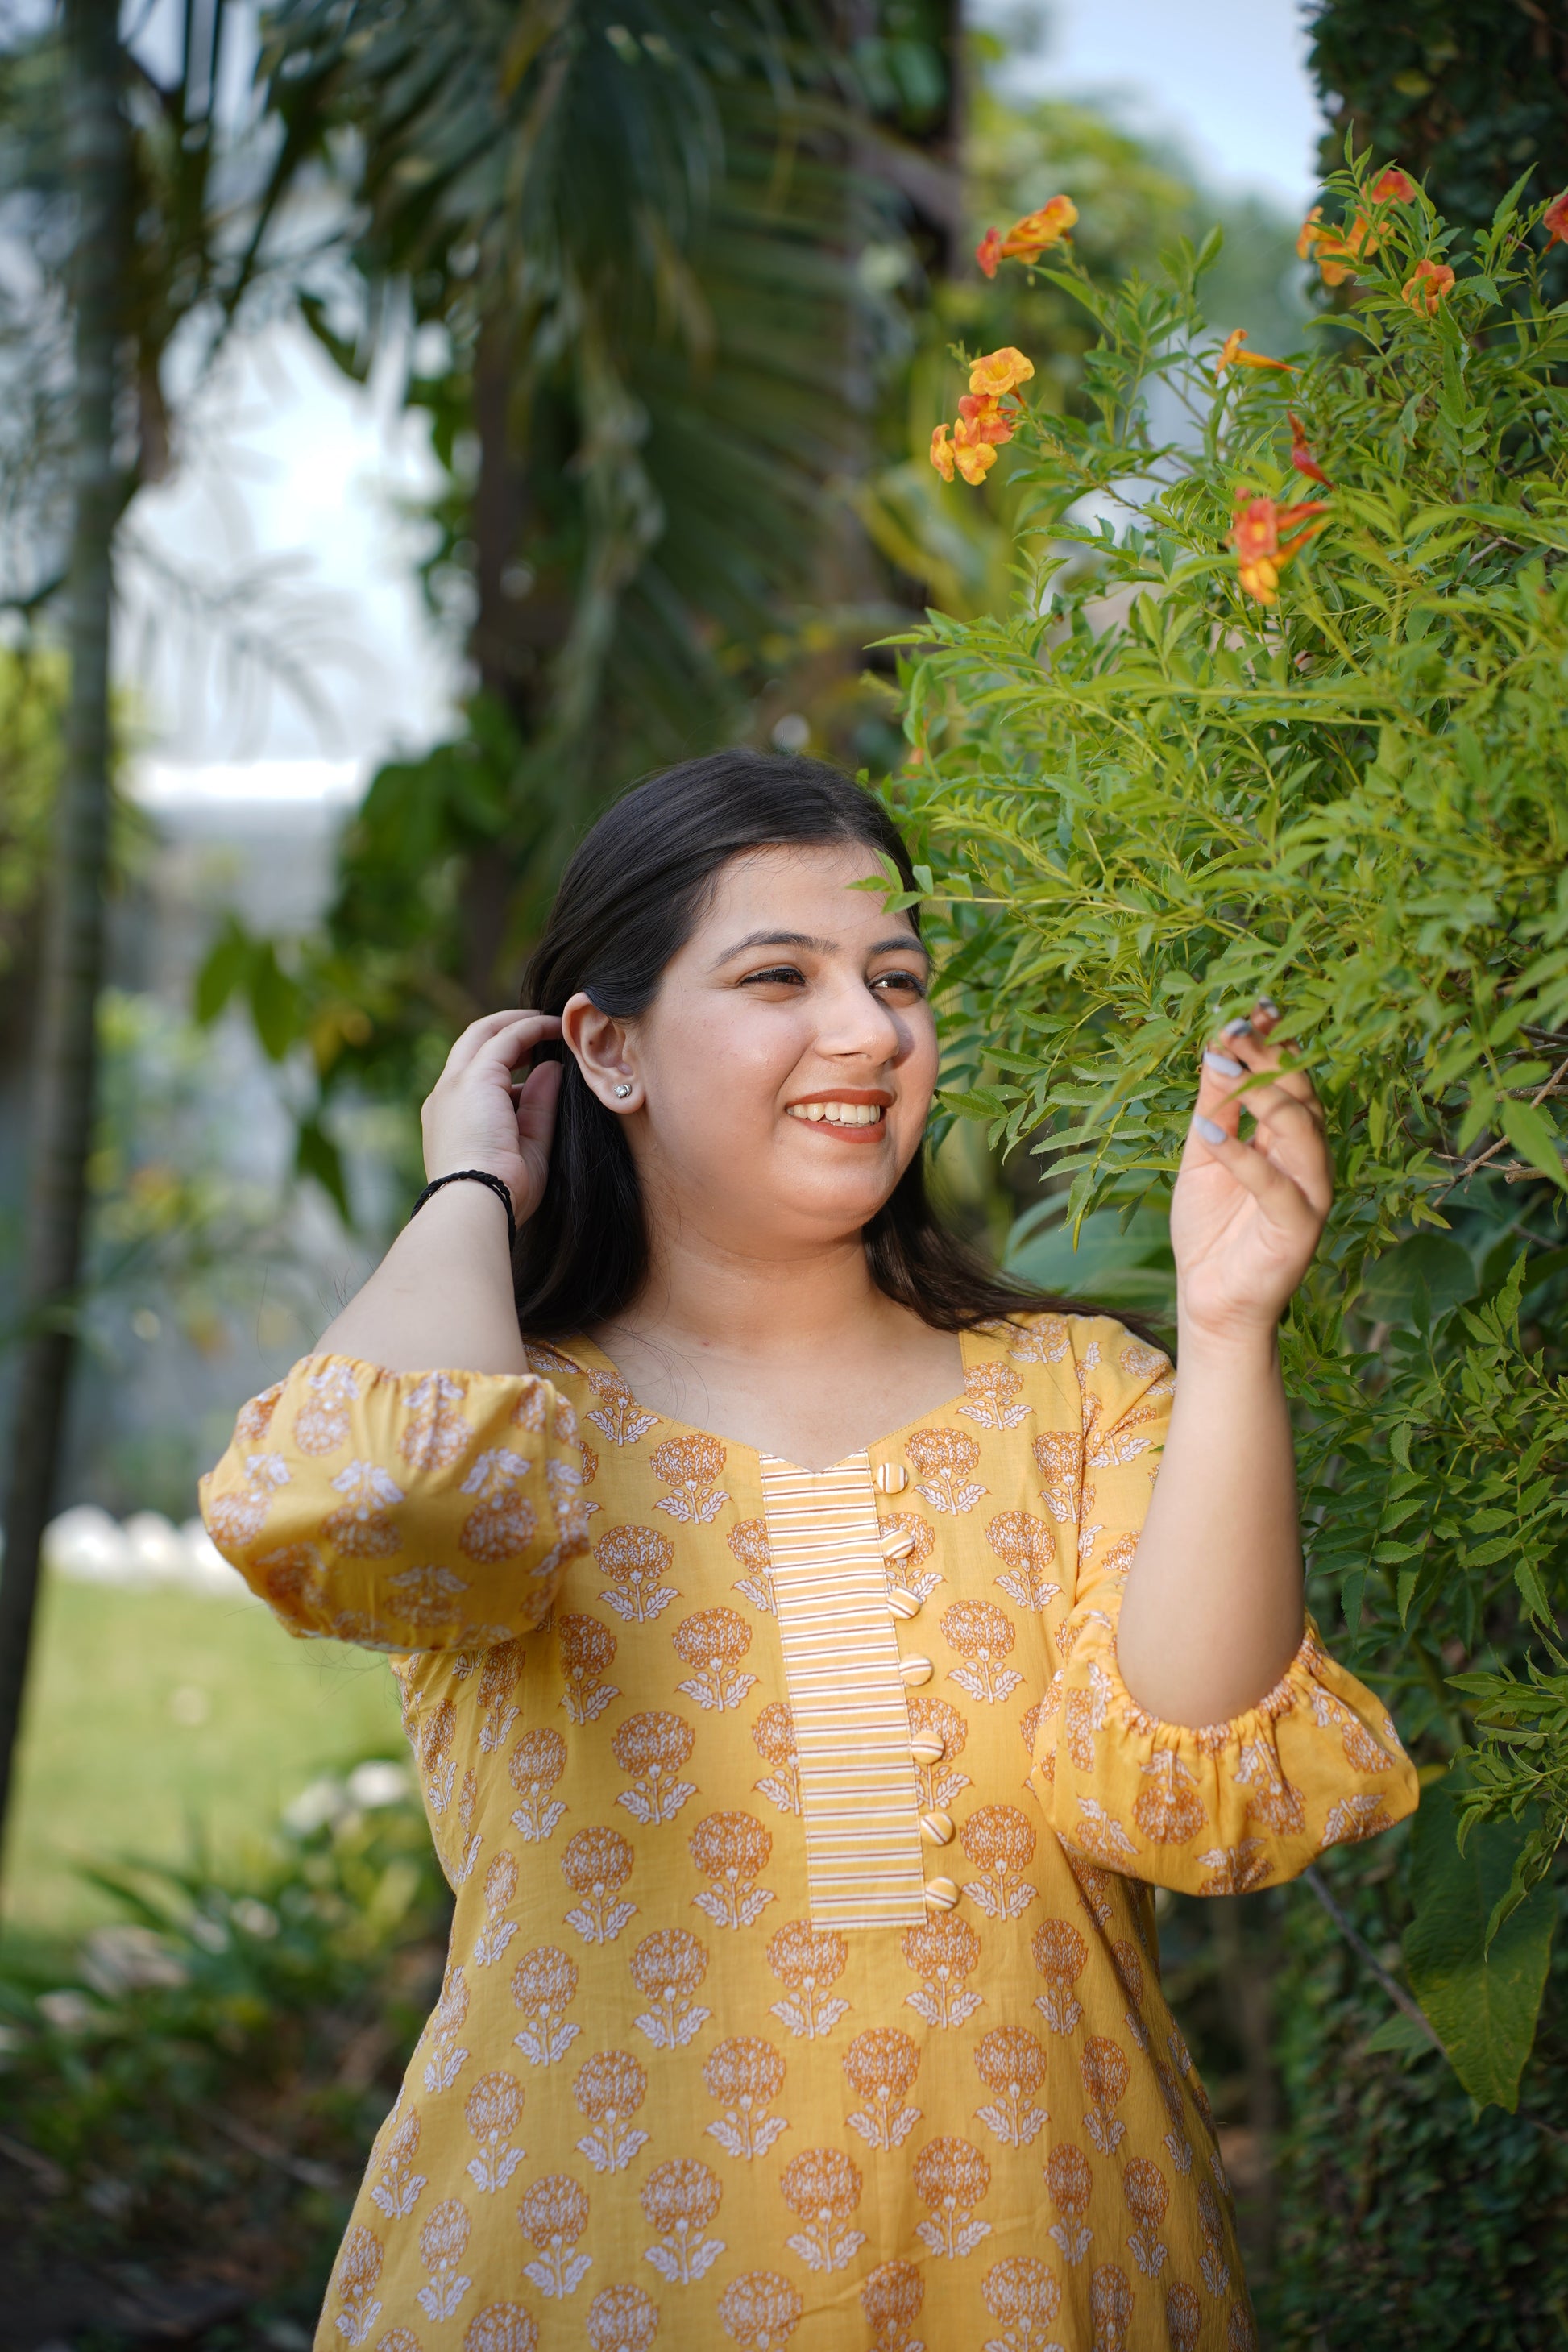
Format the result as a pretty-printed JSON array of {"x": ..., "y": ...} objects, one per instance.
[{"x": 474, "y": 1176}]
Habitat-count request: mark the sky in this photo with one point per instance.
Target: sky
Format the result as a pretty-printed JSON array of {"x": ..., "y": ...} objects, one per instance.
[{"x": 297, "y": 483}]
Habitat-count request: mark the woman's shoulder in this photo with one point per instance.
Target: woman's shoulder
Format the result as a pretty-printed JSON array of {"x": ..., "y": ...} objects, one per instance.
[{"x": 1069, "y": 1336}]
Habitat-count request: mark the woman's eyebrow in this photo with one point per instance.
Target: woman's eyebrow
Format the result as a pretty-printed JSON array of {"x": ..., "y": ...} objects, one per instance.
[{"x": 901, "y": 944}]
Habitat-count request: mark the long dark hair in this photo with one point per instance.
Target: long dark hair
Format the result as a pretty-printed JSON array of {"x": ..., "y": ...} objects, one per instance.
[{"x": 635, "y": 889}]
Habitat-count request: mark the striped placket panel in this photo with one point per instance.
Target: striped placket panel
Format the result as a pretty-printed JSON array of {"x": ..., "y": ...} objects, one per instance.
[{"x": 858, "y": 1797}]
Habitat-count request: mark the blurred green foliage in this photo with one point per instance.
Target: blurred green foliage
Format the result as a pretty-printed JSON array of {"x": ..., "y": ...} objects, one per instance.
[
  {"x": 1146, "y": 799},
  {"x": 206, "y": 2077},
  {"x": 1465, "y": 93}
]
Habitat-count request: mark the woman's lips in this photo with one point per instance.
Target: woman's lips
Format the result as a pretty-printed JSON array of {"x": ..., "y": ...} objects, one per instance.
[{"x": 853, "y": 1121}]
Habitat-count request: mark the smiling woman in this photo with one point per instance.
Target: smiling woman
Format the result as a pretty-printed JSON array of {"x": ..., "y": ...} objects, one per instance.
[{"x": 693, "y": 1526}]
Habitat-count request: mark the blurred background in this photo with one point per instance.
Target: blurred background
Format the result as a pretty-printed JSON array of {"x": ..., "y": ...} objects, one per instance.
[{"x": 485, "y": 441}]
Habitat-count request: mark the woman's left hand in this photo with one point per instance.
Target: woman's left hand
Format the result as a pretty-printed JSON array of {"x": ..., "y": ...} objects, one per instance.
[{"x": 1246, "y": 1217}]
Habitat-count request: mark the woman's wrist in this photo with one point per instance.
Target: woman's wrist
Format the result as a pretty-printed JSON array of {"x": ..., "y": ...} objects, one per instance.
[{"x": 1248, "y": 1344}]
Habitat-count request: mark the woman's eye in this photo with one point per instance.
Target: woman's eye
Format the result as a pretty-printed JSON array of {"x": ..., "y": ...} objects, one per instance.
[
  {"x": 778, "y": 974},
  {"x": 912, "y": 981}
]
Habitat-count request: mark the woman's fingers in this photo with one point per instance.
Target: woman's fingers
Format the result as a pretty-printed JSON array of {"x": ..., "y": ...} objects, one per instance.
[
  {"x": 1285, "y": 1201},
  {"x": 494, "y": 1028},
  {"x": 1240, "y": 1071}
]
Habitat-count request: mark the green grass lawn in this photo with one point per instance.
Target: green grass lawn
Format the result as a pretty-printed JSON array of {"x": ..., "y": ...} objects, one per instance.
[{"x": 158, "y": 1718}]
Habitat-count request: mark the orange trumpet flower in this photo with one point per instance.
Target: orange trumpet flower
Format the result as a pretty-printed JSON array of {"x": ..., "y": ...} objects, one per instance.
[
  {"x": 967, "y": 451},
  {"x": 1554, "y": 219},
  {"x": 1000, "y": 371},
  {"x": 1232, "y": 355},
  {"x": 1336, "y": 251},
  {"x": 1029, "y": 237},
  {"x": 1261, "y": 555},
  {"x": 1393, "y": 187},
  {"x": 1426, "y": 289},
  {"x": 1301, "y": 456}
]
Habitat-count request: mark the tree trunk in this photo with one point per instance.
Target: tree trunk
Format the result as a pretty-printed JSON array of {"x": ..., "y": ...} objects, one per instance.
[{"x": 62, "y": 1113}]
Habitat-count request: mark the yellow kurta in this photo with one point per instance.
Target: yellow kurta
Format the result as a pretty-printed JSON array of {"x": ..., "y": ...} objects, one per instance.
[{"x": 802, "y": 1987}]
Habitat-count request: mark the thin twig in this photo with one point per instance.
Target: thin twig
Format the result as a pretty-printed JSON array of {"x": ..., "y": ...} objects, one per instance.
[
  {"x": 1501, "y": 1144},
  {"x": 1363, "y": 1952},
  {"x": 302, "y": 2169}
]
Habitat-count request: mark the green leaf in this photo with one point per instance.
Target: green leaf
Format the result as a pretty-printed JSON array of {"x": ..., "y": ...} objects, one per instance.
[
  {"x": 1428, "y": 1265},
  {"x": 315, "y": 1154},
  {"x": 1533, "y": 1137},
  {"x": 224, "y": 971},
  {"x": 1482, "y": 2003}
]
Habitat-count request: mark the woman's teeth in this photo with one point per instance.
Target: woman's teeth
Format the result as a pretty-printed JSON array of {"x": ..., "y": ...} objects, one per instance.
[{"x": 838, "y": 1114}]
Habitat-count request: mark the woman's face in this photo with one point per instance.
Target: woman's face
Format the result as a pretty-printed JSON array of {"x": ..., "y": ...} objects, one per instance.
[{"x": 783, "y": 1074}]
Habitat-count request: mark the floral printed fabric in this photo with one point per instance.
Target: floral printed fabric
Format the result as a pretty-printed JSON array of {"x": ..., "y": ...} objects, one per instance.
[{"x": 657, "y": 2104}]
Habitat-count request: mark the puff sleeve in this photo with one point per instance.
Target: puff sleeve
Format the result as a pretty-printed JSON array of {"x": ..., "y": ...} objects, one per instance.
[
  {"x": 1216, "y": 1809},
  {"x": 401, "y": 1511}
]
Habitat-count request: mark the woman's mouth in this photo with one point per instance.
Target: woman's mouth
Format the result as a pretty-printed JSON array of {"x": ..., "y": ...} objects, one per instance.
[{"x": 852, "y": 1116}]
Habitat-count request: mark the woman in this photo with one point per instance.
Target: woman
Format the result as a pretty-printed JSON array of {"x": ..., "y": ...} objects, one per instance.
[{"x": 809, "y": 1683}]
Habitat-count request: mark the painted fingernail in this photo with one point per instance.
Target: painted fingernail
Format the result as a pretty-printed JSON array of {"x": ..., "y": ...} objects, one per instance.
[
  {"x": 1209, "y": 1128},
  {"x": 1241, "y": 1027},
  {"x": 1223, "y": 1065},
  {"x": 1267, "y": 1004}
]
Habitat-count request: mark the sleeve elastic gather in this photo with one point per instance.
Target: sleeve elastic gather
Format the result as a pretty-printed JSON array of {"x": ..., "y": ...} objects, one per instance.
[
  {"x": 1220, "y": 1809},
  {"x": 401, "y": 1510}
]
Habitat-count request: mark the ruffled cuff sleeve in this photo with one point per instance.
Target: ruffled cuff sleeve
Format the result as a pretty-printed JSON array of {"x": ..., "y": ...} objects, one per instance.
[
  {"x": 401, "y": 1510},
  {"x": 1228, "y": 1807}
]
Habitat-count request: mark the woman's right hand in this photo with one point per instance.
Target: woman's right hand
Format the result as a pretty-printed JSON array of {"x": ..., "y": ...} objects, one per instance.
[{"x": 478, "y": 1116}]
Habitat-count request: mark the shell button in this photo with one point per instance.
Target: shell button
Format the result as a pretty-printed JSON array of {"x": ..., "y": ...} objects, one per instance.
[{"x": 916, "y": 1670}]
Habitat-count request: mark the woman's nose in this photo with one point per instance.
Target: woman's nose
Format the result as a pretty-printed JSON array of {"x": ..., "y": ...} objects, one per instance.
[{"x": 855, "y": 1021}]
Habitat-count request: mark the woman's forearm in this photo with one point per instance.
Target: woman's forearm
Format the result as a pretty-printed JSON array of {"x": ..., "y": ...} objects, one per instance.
[
  {"x": 441, "y": 1299},
  {"x": 1213, "y": 1611}
]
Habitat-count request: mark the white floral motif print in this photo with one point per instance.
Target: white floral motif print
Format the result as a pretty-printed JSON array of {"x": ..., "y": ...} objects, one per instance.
[
  {"x": 1106, "y": 2075},
  {"x": 945, "y": 1458},
  {"x": 983, "y": 1635},
  {"x": 361, "y": 1528},
  {"x": 434, "y": 1431},
  {"x": 496, "y": 1933},
  {"x": 881, "y": 2065},
  {"x": 749, "y": 1543},
  {"x": 938, "y": 1783},
  {"x": 745, "y": 2074},
  {"x": 1022, "y": 2294},
  {"x": 808, "y": 1961},
  {"x": 446, "y": 2058},
  {"x": 1144, "y": 2186},
  {"x": 668, "y": 1969},
  {"x": 443, "y": 2242},
  {"x": 1012, "y": 2063},
  {"x": 691, "y": 1465},
  {"x": 358, "y": 2276},
  {"x": 492, "y": 2112},
  {"x": 1070, "y": 2180},
  {"x": 587, "y": 1652},
  {"x": 618, "y": 1414},
  {"x": 1061, "y": 1956},
  {"x": 991, "y": 1396},
  {"x": 730, "y": 1849},
  {"x": 652, "y": 1746},
  {"x": 1359, "y": 1816},
  {"x": 1211, "y": 2261},
  {"x": 822, "y": 2187},
  {"x": 635, "y": 1559},
  {"x": 534, "y": 1767},
  {"x": 999, "y": 1840},
  {"x": 499, "y": 1674},
  {"x": 679, "y": 2199},
  {"x": 1046, "y": 1340},
  {"x": 1275, "y": 1801},
  {"x": 1177, "y": 2145},
  {"x": 1058, "y": 1453},
  {"x": 1362, "y": 1750},
  {"x": 596, "y": 1864},
  {"x": 239, "y": 1518},
  {"x": 505, "y": 1522},
  {"x": 714, "y": 1641},
  {"x": 425, "y": 1598},
  {"x": 543, "y": 1986},
  {"x": 609, "y": 2089},
  {"x": 907, "y": 1543},
  {"x": 321, "y": 1422},
  {"x": 942, "y": 1951},
  {"x": 553, "y": 2216},
  {"x": 1236, "y": 1869},
  {"x": 1100, "y": 1834},
  {"x": 773, "y": 1736},
  {"x": 951, "y": 2177},
  {"x": 396, "y": 2187},
  {"x": 890, "y": 2300},
  {"x": 1026, "y": 1548}
]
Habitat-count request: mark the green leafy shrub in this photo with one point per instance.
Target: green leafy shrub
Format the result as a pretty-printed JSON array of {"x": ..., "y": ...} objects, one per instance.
[
  {"x": 203, "y": 2083},
  {"x": 1150, "y": 796}
]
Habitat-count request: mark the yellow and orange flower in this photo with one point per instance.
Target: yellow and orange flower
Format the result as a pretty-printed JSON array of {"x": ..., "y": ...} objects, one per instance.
[
  {"x": 1029, "y": 237},
  {"x": 1232, "y": 355},
  {"x": 1554, "y": 220},
  {"x": 1426, "y": 289},
  {"x": 1261, "y": 555},
  {"x": 1000, "y": 371},
  {"x": 1336, "y": 251},
  {"x": 1393, "y": 187},
  {"x": 988, "y": 415}
]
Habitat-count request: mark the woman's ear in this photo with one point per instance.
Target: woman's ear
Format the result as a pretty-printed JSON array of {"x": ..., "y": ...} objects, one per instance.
[{"x": 601, "y": 1046}]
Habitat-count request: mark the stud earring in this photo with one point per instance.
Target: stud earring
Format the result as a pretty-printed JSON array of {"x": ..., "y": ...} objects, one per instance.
[{"x": 622, "y": 1092}]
